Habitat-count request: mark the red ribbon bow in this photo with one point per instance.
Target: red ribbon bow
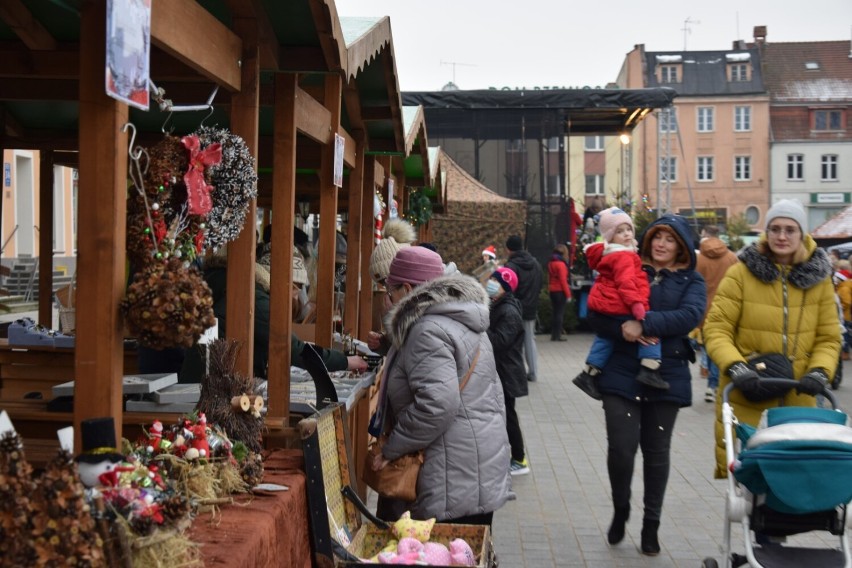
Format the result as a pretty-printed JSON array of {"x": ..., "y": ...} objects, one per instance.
[{"x": 197, "y": 188}]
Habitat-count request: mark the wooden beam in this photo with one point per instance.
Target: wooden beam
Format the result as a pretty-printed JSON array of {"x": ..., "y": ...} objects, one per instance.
[
  {"x": 267, "y": 41},
  {"x": 328, "y": 220},
  {"x": 284, "y": 206},
  {"x": 302, "y": 59},
  {"x": 241, "y": 252},
  {"x": 102, "y": 200},
  {"x": 312, "y": 118},
  {"x": 30, "y": 31},
  {"x": 19, "y": 89},
  {"x": 191, "y": 34}
]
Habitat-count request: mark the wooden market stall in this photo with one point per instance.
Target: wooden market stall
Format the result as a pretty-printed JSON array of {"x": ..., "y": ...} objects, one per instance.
[{"x": 289, "y": 77}]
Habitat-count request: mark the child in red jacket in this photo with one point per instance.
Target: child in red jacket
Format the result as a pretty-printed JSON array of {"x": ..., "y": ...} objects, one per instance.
[{"x": 621, "y": 291}]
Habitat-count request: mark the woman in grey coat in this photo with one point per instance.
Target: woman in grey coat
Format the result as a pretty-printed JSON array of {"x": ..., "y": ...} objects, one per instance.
[{"x": 437, "y": 328}]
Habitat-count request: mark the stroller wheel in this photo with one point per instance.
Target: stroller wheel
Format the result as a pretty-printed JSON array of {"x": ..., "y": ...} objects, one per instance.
[{"x": 709, "y": 563}]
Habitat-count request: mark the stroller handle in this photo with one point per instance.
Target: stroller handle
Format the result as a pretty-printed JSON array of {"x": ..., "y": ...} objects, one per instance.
[{"x": 826, "y": 392}]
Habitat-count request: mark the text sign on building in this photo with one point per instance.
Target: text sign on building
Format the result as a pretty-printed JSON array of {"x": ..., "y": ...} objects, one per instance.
[
  {"x": 831, "y": 198},
  {"x": 7, "y": 175},
  {"x": 339, "y": 146}
]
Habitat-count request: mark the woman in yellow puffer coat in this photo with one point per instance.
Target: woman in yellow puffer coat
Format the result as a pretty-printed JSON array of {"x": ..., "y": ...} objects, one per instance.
[{"x": 778, "y": 299}]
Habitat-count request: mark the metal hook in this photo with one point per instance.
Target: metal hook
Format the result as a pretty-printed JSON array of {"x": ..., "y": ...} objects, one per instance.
[
  {"x": 132, "y": 127},
  {"x": 209, "y": 114},
  {"x": 163, "y": 128}
]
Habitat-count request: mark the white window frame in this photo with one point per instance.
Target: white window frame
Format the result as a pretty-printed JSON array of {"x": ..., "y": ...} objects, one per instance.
[
  {"x": 594, "y": 144},
  {"x": 739, "y": 72},
  {"x": 828, "y": 167},
  {"x": 669, "y": 74},
  {"x": 742, "y": 118},
  {"x": 797, "y": 163},
  {"x": 671, "y": 169},
  {"x": 705, "y": 168},
  {"x": 742, "y": 168},
  {"x": 599, "y": 188},
  {"x": 705, "y": 119}
]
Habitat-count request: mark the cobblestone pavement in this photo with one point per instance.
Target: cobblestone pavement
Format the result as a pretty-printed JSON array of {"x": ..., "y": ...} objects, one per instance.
[{"x": 563, "y": 506}]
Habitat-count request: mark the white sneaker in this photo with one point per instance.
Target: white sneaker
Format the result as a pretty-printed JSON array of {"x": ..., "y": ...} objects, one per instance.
[{"x": 710, "y": 395}]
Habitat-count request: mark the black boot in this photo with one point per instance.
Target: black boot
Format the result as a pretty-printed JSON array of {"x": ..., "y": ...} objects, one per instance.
[
  {"x": 651, "y": 378},
  {"x": 588, "y": 384},
  {"x": 616, "y": 529},
  {"x": 650, "y": 544}
]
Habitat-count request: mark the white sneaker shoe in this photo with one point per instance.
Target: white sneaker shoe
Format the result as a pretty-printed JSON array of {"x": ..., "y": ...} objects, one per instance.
[{"x": 710, "y": 395}]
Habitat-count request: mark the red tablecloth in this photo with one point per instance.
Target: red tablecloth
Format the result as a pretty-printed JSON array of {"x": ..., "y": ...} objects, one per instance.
[{"x": 264, "y": 529}]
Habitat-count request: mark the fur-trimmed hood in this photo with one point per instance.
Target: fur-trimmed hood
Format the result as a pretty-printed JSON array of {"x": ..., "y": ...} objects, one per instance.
[
  {"x": 813, "y": 269},
  {"x": 459, "y": 297}
]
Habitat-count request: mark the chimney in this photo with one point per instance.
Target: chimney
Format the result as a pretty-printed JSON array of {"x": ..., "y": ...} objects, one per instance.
[
  {"x": 759, "y": 34},
  {"x": 738, "y": 44}
]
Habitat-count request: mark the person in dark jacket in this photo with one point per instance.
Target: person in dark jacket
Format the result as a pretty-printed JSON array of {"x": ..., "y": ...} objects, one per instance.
[
  {"x": 506, "y": 332},
  {"x": 216, "y": 276},
  {"x": 529, "y": 286},
  {"x": 636, "y": 415}
]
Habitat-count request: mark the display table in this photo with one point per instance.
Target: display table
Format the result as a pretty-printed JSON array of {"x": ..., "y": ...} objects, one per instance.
[{"x": 263, "y": 529}]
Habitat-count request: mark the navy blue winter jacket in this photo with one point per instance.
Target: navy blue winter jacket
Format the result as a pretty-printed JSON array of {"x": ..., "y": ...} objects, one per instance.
[{"x": 678, "y": 300}]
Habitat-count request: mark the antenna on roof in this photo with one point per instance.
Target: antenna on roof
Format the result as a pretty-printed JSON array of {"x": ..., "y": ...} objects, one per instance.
[
  {"x": 454, "y": 63},
  {"x": 687, "y": 28}
]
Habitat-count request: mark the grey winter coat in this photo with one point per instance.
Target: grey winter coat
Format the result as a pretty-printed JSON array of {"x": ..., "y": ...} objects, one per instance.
[{"x": 435, "y": 332}]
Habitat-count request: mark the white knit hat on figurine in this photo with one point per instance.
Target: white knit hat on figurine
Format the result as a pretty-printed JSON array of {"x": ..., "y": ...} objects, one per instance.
[{"x": 397, "y": 234}]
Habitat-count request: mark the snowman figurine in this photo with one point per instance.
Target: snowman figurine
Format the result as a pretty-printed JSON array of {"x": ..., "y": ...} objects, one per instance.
[{"x": 100, "y": 458}]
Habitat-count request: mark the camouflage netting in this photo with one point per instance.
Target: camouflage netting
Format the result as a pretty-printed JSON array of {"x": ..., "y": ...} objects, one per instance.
[{"x": 474, "y": 217}]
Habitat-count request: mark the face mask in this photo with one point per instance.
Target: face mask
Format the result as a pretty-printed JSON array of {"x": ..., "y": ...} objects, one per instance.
[{"x": 492, "y": 288}]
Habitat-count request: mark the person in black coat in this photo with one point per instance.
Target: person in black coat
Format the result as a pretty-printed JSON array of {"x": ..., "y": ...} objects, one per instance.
[
  {"x": 638, "y": 416},
  {"x": 506, "y": 332},
  {"x": 530, "y": 278}
]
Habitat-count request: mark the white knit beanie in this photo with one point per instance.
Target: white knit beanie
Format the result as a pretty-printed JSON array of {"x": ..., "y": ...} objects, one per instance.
[
  {"x": 396, "y": 235},
  {"x": 789, "y": 209}
]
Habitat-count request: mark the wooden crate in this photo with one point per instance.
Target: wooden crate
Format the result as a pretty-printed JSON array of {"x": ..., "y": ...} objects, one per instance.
[{"x": 325, "y": 442}]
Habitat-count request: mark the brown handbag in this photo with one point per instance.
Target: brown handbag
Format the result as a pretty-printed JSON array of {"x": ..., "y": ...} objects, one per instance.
[{"x": 398, "y": 479}]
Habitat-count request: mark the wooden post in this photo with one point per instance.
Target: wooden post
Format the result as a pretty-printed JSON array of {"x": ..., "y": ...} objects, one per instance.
[
  {"x": 284, "y": 208},
  {"x": 365, "y": 300},
  {"x": 354, "y": 251},
  {"x": 245, "y": 106},
  {"x": 102, "y": 207},
  {"x": 328, "y": 217},
  {"x": 45, "y": 238}
]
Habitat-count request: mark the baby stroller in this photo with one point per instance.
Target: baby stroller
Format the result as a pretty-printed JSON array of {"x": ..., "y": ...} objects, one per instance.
[{"x": 793, "y": 474}]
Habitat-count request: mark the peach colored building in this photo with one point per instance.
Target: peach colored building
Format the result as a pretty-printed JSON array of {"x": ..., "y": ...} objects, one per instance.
[
  {"x": 21, "y": 205},
  {"x": 710, "y": 152}
]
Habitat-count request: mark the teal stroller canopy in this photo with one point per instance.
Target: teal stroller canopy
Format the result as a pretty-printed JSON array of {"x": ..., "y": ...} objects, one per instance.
[{"x": 801, "y": 460}]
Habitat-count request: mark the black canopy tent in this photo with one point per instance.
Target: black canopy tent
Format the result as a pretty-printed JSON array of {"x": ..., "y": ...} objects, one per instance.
[{"x": 490, "y": 114}]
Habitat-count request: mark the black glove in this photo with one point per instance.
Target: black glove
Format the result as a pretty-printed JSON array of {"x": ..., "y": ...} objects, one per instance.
[
  {"x": 813, "y": 383},
  {"x": 744, "y": 377}
]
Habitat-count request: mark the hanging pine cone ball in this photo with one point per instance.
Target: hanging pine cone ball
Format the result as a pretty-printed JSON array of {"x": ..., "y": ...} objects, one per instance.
[{"x": 168, "y": 305}]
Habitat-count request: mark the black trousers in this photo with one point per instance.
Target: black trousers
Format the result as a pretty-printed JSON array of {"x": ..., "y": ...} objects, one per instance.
[
  {"x": 631, "y": 425},
  {"x": 513, "y": 428},
  {"x": 558, "y": 301}
]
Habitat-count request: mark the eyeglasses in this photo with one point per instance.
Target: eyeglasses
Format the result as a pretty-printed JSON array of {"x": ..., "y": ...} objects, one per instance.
[
  {"x": 390, "y": 290},
  {"x": 776, "y": 231}
]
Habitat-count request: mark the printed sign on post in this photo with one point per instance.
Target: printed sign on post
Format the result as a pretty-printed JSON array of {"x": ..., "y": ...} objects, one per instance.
[
  {"x": 339, "y": 141},
  {"x": 7, "y": 174},
  {"x": 128, "y": 51}
]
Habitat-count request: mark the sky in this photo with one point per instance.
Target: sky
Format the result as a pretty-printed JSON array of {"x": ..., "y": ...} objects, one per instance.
[{"x": 479, "y": 44}]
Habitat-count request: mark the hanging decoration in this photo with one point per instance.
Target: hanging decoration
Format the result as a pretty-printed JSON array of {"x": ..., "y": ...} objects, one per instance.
[
  {"x": 378, "y": 215},
  {"x": 186, "y": 195},
  {"x": 168, "y": 305},
  {"x": 234, "y": 180},
  {"x": 419, "y": 208}
]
